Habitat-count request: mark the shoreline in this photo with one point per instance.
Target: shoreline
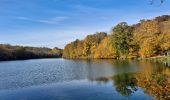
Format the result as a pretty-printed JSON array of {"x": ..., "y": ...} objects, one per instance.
[
  {"x": 30, "y": 59},
  {"x": 156, "y": 58}
]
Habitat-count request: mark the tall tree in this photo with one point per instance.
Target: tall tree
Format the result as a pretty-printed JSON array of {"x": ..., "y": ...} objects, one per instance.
[{"x": 122, "y": 37}]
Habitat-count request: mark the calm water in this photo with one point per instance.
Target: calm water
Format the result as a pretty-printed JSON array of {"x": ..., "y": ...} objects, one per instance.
[{"x": 60, "y": 79}]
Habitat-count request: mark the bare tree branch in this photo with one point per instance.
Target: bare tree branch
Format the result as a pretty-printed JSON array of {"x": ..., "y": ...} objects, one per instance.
[{"x": 152, "y": 1}]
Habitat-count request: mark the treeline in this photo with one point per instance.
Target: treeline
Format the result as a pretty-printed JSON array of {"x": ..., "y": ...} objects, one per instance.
[
  {"x": 8, "y": 52},
  {"x": 147, "y": 38}
]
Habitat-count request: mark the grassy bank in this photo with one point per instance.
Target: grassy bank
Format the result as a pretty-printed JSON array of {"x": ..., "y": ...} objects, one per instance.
[{"x": 161, "y": 59}]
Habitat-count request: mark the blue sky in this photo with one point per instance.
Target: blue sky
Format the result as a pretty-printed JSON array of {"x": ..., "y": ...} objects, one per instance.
[{"x": 54, "y": 23}]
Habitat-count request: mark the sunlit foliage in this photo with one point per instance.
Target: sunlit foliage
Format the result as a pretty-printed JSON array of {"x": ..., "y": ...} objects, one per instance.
[
  {"x": 105, "y": 50},
  {"x": 153, "y": 36},
  {"x": 74, "y": 49},
  {"x": 85, "y": 48},
  {"x": 146, "y": 39}
]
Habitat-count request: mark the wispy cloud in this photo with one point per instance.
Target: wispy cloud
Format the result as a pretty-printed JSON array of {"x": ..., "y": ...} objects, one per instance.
[
  {"x": 53, "y": 20},
  {"x": 23, "y": 18}
]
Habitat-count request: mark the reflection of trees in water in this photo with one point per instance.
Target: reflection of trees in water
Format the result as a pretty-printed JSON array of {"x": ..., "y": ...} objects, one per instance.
[
  {"x": 125, "y": 84},
  {"x": 121, "y": 63},
  {"x": 125, "y": 66},
  {"x": 155, "y": 83},
  {"x": 154, "y": 80}
]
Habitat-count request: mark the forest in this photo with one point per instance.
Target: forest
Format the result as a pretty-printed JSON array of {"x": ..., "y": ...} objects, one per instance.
[
  {"x": 148, "y": 38},
  {"x": 8, "y": 52}
]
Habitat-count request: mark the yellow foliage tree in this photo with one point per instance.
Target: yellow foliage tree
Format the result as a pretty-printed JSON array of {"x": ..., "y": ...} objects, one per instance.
[
  {"x": 105, "y": 50},
  {"x": 148, "y": 49},
  {"x": 147, "y": 36}
]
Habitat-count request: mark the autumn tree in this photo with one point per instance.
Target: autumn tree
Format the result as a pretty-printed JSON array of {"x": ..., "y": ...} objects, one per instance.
[
  {"x": 148, "y": 48},
  {"x": 91, "y": 42},
  {"x": 165, "y": 34},
  {"x": 105, "y": 50},
  {"x": 74, "y": 49},
  {"x": 145, "y": 39},
  {"x": 56, "y": 52},
  {"x": 147, "y": 35}
]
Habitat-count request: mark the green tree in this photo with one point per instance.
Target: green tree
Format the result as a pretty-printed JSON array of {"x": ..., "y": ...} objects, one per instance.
[{"x": 122, "y": 38}]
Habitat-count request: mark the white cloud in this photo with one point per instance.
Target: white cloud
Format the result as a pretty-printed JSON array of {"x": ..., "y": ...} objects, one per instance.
[
  {"x": 53, "y": 20},
  {"x": 23, "y": 18}
]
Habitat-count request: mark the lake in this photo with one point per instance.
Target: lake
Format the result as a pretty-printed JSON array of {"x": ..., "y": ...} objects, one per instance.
[{"x": 61, "y": 79}]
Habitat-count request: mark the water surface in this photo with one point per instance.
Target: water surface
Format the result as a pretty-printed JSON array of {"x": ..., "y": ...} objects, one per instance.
[{"x": 61, "y": 79}]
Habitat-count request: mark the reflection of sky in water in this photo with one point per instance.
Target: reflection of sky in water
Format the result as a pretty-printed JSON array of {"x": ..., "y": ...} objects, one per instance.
[
  {"x": 36, "y": 72},
  {"x": 15, "y": 74},
  {"x": 73, "y": 90}
]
